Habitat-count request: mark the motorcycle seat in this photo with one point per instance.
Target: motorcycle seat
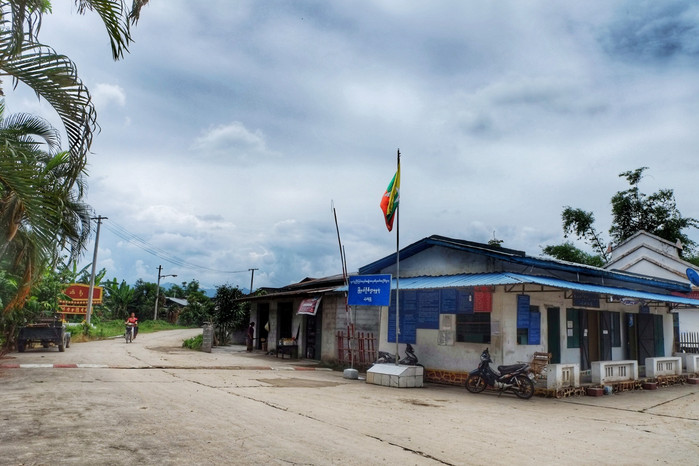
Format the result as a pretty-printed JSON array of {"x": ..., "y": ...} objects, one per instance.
[{"x": 510, "y": 368}]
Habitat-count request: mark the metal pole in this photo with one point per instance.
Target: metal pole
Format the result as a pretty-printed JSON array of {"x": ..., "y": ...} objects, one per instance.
[
  {"x": 157, "y": 291},
  {"x": 157, "y": 294},
  {"x": 252, "y": 277},
  {"x": 99, "y": 219},
  {"x": 398, "y": 262}
]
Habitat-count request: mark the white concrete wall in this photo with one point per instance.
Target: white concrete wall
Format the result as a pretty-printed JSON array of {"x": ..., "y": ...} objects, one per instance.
[
  {"x": 689, "y": 320},
  {"x": 503, "y": 346}
]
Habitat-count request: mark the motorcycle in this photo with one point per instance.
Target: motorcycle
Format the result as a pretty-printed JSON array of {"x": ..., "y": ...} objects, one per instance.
[
  {"x": 129, "y": 332},
  {"x": 516, "y": 378},
  {"x": 410, "y": 358}
]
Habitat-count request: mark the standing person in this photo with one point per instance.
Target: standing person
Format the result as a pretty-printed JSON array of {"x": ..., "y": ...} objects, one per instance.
[{"x": 250, "y": 336}]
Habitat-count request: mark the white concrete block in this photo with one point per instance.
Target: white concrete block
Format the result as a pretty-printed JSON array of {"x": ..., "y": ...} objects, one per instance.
[
  {"x": 614, "y": 371},
  {"x": 690, "y": 362},
  {"x": 668, "y": 365},
  {"x": 391, "y": 375},
  {"x": 562, "y": 375}
]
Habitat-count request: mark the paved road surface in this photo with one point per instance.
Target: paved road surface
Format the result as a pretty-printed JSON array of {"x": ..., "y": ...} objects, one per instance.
[{"x": 153, "y": 402}]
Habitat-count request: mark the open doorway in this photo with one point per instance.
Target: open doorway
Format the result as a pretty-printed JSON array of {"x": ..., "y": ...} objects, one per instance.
[
  {"x": 262, "y": 326},
  {"x": 285, "y": 316}
]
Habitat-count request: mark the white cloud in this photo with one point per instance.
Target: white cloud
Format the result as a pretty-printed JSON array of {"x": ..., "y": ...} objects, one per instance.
[
  {"x": 108, "y": 94},
  {"x": 233, "y": 143},
  {"x": 247, "y": 121}
]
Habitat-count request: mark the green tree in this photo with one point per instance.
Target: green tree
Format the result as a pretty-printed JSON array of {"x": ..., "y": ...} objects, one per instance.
[
  {"x": 632, "y": 211},
  {"x": 568, "y": 252},
  {"x": 41, "y": 211},
  {"x": 144, "y": 299},
  {"x": 199, "y": 307},
  {"x": 119, "y": 298},
  {"x": 228, "y": 314},
  {"x": 656, "y": 213}
]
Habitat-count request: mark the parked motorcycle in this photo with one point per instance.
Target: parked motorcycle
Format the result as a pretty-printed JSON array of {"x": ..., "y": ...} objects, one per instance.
[
  {"x": 516, "y": 378},
  {"x": 410, "y": 358}
]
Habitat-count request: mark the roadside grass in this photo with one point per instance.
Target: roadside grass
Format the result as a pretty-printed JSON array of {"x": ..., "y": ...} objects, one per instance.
[
  {"x": 114, "y": 328},
  {"x": 194, "y": 343}
]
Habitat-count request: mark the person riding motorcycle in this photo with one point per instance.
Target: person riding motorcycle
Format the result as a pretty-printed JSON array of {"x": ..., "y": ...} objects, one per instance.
[{"x": 133, "y": 320}]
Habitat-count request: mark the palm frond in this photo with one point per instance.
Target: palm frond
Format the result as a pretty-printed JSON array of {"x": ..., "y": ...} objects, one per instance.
[
  {"x": 54, "y": 77},
  {"x": 115, "y": 16}
]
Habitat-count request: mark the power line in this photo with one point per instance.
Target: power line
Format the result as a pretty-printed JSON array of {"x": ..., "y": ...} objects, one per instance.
[{"x": 139, "y": 242}]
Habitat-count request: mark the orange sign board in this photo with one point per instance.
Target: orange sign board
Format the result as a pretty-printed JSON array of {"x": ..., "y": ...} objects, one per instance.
[
  {"x": 78, "y": 294},
  {"x": 65, "y": 309}
]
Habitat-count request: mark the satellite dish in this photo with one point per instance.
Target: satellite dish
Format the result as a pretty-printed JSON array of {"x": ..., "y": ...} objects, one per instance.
[{"x": 693, "y": 276}]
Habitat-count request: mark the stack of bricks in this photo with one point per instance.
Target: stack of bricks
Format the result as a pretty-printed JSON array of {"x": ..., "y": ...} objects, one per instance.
[{"x": 445, "y": 377}]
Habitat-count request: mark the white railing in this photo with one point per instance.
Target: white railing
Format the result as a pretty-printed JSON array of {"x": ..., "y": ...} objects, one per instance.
[
  {"x": 562, "y": 375},
  {"x": 690, "y": 361},
  {"x": 668, "y": 365},
  {"x": 614, "y": 371}
]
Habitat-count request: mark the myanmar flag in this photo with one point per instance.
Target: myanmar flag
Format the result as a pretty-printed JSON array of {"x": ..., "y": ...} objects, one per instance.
[{"x": 389, "y": 201}]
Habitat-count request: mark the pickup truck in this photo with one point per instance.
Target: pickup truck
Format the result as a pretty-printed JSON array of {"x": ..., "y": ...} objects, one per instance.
[{"x": 47, "y": 332}]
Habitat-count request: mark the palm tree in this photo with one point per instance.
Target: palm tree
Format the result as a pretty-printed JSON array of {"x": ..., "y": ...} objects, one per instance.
[
  {"x": 41, "y": 211},
  {"x": 119, "y": 298},
  {"x": 40, "y": 192},
  {"x": 53, "y": 76}
]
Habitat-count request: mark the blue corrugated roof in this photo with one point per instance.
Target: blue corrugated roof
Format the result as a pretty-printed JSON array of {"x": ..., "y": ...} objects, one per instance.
[
  {"x": 494, "y": 279},
  {"x": 519, "y": 257},
  {"x": 608, "y": 290}
]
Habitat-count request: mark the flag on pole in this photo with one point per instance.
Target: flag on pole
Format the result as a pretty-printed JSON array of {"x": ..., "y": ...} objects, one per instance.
[{"x": 389, "y": 201}]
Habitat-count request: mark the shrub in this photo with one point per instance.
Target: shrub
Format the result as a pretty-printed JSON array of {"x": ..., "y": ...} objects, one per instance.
[{"x": 194, "y": 343}]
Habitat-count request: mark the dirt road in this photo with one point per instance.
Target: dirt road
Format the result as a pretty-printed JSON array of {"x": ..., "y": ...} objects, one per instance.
[{"x": 153, "y": 402}]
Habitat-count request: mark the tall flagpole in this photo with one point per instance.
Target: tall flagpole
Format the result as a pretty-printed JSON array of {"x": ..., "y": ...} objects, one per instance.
[{"x": 398, "y": 261}]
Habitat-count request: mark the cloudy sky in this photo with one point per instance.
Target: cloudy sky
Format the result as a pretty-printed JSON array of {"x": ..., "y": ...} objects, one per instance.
[{"x": 233, "y": 127}]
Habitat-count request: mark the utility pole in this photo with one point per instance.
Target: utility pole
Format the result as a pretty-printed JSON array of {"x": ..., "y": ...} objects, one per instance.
[
  {"x": 99, "y": 219},
  {"x": 157, "y": 291},
  {"x": 252, "y": 277}
]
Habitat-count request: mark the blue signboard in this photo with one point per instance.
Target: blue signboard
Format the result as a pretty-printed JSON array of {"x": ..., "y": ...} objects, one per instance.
[{"x": 369, "y": 290}]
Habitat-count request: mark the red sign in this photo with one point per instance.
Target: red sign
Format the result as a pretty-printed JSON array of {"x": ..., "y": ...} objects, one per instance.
[
  {"x": 482, "y": 299},
  {"x": 309, "y": 306},
  {"x": 78, "y": 294}
]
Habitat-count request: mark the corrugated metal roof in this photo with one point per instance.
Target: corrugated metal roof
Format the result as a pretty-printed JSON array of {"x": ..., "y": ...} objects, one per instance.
[
  {"x": 453, "y": 281},
  {"x": 180, "y": 301},
  {"x": 519, "y": 257},
  {"x": 495, "y": 279},
  {"x": 608, "y": 290}
]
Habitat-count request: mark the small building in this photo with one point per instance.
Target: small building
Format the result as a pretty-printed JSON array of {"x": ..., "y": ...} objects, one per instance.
[
  {"x": 312, "y": 313},
  {"x": 458, "y": 297},
  {"x": 647, "y": 254}
]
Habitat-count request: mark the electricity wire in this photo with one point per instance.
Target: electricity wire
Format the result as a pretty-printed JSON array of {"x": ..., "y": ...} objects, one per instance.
[{"x": 139, "y": 242}]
